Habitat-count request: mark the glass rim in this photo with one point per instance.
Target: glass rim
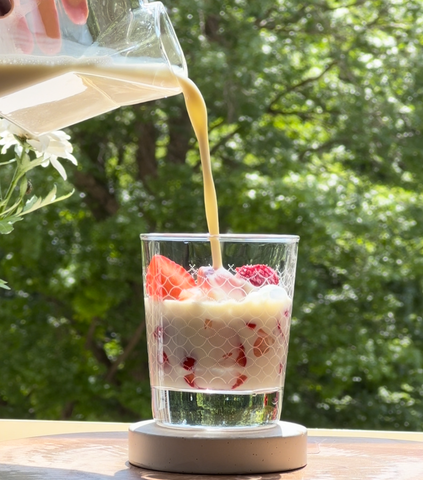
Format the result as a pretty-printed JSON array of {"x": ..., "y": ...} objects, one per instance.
[{"x": 223, "y": 237}]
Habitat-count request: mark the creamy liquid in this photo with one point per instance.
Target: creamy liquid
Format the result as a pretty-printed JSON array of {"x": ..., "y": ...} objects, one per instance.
[
  {"x": 197, "y": 112},
  {"x": 40, "y": 98},
  {"x": 215, "y": 334}
]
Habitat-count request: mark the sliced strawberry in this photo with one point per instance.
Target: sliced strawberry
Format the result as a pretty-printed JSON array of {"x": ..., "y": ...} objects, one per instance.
[
  {"x": 239, "y": 381},
  {"x": 166, "y": 279},
  {"x": 263, "y": 343},
  {"x": 258, "y": 275}
]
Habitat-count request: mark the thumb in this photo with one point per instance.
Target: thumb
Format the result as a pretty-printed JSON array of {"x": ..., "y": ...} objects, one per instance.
[{"x": 6, "y": 6}]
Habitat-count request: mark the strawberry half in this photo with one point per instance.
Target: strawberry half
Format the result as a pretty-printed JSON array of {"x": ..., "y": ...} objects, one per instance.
[
  {"x": 258, "y": 275},
  {"x": 165, "y": 279}
]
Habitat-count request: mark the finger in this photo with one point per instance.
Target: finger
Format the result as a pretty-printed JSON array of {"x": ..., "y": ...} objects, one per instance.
[
  {"x": 6, "y": 7},
  {"x": 77, "y": 10},
  {"x": 47, "y": 27},
  {"x": 24, "y": 40},
  {"x": 16, "y": 25}
]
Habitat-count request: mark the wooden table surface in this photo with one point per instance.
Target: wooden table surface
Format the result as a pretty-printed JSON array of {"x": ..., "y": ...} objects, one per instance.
[{"x": 98, "y": 451}]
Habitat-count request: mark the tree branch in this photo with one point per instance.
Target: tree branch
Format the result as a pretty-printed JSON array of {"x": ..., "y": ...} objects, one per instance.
[
  {"x": 136, "y": 337},
  {"x": 100, "y": 200},
  {"x": 298, "y": 85},
  {"x": 224, "y": 139},
  {"x": 97, "y": 351}
]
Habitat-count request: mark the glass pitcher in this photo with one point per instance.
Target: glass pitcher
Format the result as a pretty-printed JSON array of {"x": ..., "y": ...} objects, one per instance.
[{"x": 64, "y": 61}]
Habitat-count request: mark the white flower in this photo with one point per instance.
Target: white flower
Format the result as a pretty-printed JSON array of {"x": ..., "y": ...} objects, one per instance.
[
  {"x": 52, "y": 146},
  {"x": 8, "y": 136},
  {"x": 49, "y": 146}
]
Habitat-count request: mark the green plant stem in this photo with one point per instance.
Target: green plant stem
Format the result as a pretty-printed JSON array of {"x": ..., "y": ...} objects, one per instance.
[{"x": 17, "y": 176}]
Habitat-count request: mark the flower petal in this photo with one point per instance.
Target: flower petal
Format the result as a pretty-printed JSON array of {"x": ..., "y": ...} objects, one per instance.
[{"x": 58, "y": 166}]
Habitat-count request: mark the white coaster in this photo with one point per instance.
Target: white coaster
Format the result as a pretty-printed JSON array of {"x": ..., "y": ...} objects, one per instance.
[{"x": 277, "y": 448}]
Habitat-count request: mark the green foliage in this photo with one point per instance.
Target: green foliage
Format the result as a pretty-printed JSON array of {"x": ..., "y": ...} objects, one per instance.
[{"x": 315, "y": 112}]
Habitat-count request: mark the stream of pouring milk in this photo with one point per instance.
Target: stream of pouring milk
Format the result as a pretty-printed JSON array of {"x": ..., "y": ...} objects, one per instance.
[
  {"x": 41, "y": 97},
  {"x": 197, "y": 112}
]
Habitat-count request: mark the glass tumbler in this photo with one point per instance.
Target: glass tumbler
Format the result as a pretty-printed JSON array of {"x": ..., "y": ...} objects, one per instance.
[{"x": 218, "y": 338}]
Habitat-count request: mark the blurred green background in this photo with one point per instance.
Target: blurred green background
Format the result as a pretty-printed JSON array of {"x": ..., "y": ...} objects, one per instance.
[{"x": 316, "y": 117}]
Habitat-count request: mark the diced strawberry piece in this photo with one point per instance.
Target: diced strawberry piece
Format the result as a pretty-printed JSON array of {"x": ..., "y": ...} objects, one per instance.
[
  {"x": 263, "y": 343},
  {"x": 239, "y": 381},
  {"x": 251, "y": 325},
  {"x": 163, "y": 360},
  {"x": 225, "y": 356},
  {"x": 279, "y": 329},
  {"x": 190, "y": 379},
  {"x": 166, "y": 279},
  {"x": 208, "y": 323},
  {"x": 258, "y": 275},
  {"x": 189, "y": 363},
  {"x": 158, "y": 333}
]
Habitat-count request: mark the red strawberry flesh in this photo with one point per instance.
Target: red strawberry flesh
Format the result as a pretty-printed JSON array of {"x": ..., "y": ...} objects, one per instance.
[
  {"x": 165, "y": 279},
  {"x": 239, "y": 381},
  {"x": 258, "y": 275},
  {"x": 190, "y": 379},
  {"x": 241, "y": 359},
  {"x": 189, "y": 363}
]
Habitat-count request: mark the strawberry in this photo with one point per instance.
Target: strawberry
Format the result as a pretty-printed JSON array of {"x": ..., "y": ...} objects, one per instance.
[
  {"x": 158, "y": 333},
  {"x": 263, "y": 343},
  {"x": 241, "y": 359},
  {"x": 163, "y": 358},
  {"x": 239, "y": 381},
  {"x": 258, "y": 275},
  {"x": 190, "y": 379},
  {"x": 189, "y": 363},
  {"x": 220, "y": 284},
  {"x": 166, "y": 279},
  {"x": 236, "y": 356}
]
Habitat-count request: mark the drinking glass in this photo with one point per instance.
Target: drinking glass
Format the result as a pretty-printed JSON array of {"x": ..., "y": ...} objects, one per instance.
[{"x": 218, "y": 338}]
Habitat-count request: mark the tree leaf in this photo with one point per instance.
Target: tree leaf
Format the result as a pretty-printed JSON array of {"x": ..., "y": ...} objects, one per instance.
[
  {"x": 35, "y": 203},
  {"x": 6, "y": 224}
]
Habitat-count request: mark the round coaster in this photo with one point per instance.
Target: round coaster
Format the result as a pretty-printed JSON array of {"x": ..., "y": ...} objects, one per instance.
[{"x": 278, "y": 448}]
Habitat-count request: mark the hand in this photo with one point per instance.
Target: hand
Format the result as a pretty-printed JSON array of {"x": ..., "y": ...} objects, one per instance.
[{"x": 45, "y": 21}]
